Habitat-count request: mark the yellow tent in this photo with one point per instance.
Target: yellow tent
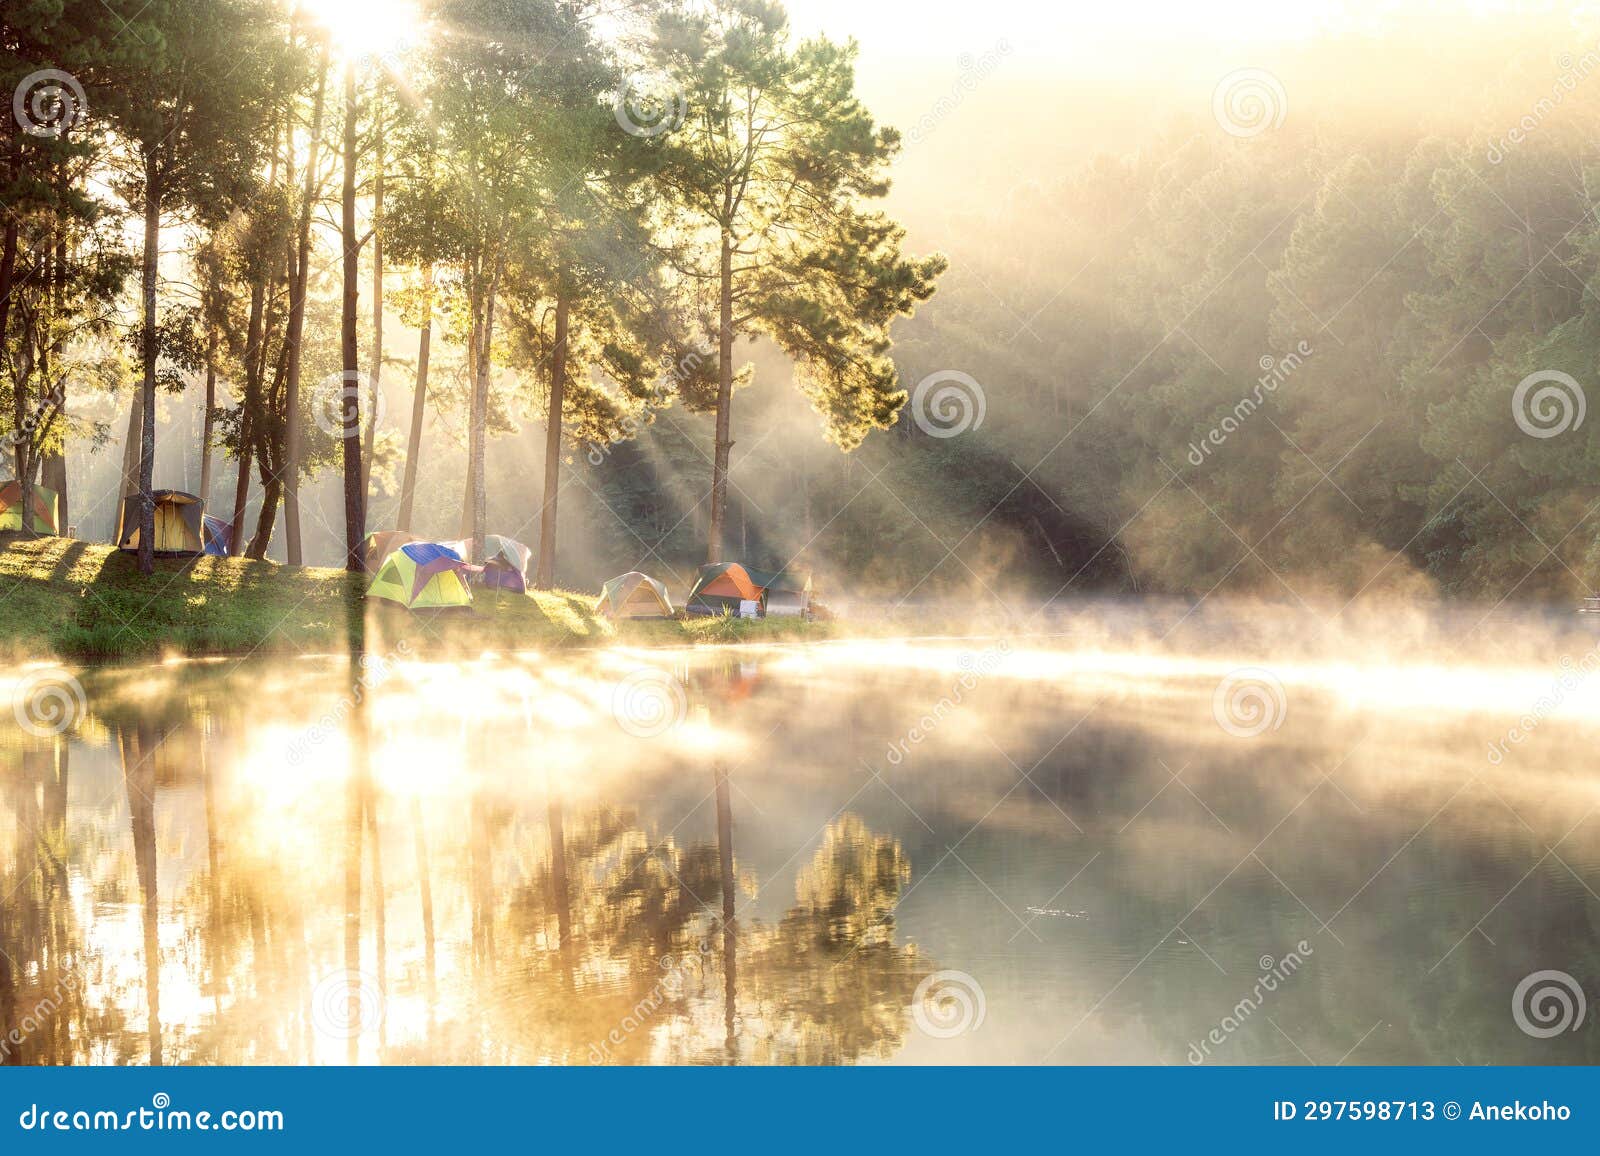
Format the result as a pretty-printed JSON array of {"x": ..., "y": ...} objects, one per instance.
[{"x": 422, "y": 576}]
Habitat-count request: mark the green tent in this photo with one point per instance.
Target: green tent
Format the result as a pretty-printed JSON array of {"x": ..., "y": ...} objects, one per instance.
[
  {"x": 45, "y": 506},
  {"x": 422, "y": 576}
]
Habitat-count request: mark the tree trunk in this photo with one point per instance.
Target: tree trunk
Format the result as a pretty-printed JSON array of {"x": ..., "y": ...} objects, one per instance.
[
  {"x": 419, "y": 400},
  {"x": 370, "y": 437},
  {"x": 730, "y": 949},
  {"x": 297, "y": 311},
  {"x": 205, "y": 428},
  {"x": 477, "y": 441},
  {"x": 19, "y": 398},
  {"x": 250, "y": 402},
  {"x": 719, "y": 462},
  {"x": 545, "y": 575},
  {"x": 350, "y": 425},
  {"x": 147, "y": 432}
]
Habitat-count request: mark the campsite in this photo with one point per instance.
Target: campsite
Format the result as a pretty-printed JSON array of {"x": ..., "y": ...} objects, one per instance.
[{"x": 953, "y": 539}]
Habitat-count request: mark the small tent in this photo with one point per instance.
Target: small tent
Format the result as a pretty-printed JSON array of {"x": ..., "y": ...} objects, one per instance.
[
  {"x": 422, "y": 576},
  {"x": 381, "y": 543},
  {"x": 505, "y": 563},
  {"x": 45, "y": 504},
  {"x": 783, "y": 593},
  {"x": 719, "y": 588},
  {"x": 177, "y": 523},
  {"x": 217, "y": 535},
  {"x": 634, "y": 595}
]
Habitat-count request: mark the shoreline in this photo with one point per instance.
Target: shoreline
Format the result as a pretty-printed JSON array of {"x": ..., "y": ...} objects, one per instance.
[{"x": 85, "y": 602}]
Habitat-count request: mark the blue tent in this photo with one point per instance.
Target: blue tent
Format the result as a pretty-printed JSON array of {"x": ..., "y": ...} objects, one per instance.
[{"x": 218, "y": 536}]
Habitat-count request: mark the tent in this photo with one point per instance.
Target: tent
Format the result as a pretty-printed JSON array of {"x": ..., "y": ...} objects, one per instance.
[
  {"x": 505, "y": 563},
  {"x": 45, "y": 505},
  {"x": 783, "y": 593},
  {"x": 217, "y": 536},
  {"x": 381, "y": 543},
  {"x": 634, "y": 595},
  {"x": 422, "y": 576},
  {"x": 178, "y": 523},
  {"x": 719, "y": 588}
]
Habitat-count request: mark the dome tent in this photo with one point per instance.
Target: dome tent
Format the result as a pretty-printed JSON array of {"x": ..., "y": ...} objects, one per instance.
[
  {"x": 505, "y": 563},
  {"x": 44, "y": 504},
  {"x": 422, "y": 576},
  {"x": 634, "y": 595},
  {"x": 719, "y": 588}
]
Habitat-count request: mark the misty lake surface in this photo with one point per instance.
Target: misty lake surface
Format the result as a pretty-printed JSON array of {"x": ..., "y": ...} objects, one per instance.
[{"x": 958, "y": 851}]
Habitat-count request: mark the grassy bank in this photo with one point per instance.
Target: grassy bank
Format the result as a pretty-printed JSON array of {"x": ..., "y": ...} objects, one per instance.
[{"x": 77, "y": 600}]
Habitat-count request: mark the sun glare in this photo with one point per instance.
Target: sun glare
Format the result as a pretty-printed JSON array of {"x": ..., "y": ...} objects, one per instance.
[{"x": 366, "y": 27}]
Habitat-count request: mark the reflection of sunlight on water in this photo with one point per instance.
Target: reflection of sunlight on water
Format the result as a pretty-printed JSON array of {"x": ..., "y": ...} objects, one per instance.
[{"x": 473, "y": 766}]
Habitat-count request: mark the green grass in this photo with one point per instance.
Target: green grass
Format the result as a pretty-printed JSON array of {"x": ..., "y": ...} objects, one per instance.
[{"x": 84, "y": 601}]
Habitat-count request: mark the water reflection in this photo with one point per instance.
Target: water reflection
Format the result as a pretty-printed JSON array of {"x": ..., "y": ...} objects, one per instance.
[{"x": 372, "y": 859}]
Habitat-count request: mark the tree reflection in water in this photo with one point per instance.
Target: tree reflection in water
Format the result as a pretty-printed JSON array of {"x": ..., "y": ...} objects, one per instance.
[{"x": 190, "y": 906}]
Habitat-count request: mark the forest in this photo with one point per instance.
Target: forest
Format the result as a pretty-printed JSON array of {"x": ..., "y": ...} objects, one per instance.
[{"x": 675, "y": 273}]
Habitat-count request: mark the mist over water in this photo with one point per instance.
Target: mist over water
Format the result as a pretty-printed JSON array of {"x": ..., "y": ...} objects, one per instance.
[{"x": 1097, "y": 846}]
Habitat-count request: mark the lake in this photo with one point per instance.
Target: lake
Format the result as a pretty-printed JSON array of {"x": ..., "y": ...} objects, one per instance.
[{"x": 1109, "y": 844}]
